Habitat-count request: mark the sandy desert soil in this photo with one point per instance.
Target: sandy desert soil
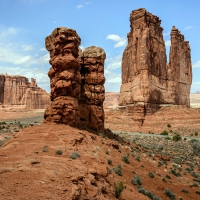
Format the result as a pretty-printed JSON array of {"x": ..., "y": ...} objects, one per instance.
[{"x": 60, "y": 162}]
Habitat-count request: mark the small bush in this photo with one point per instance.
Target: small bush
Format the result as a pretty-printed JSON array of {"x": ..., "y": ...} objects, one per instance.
[
  {"x": 175, "y": 173},
  {"x": 136, "y": 180},
  {"x": 109, "y": 161},
  {"x": 74, "y": 155},
  {"x": 59, "y": 152},
  {"x": 169, "y": 125},
  {"x": 151, "y": 175},
  {"x": 126, "y": 159},
  {"x": 196, "y": 134},
  {"x": 176, "y": 137},
  {"x": 170, "y": 194},
  {"x": 164, "y": 180},
  {"x": 185, "y": 191},
  {"x": 164, "y": 133},
  {"x": 107, "y": 152},
  {"x": 195, "y": 184},
  {"x": 44, "y": 149},
  {"x": 168, "y": 176},
  {"x": 138, "y": 158},
  {"x": 118, "y": 170},
  {"x": 148, "y": 193},
  {"x": 197, "y": 192},
  {"x": 118, "y": 188}
]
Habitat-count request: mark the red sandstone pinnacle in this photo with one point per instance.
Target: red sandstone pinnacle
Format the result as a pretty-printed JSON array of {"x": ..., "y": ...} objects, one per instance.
[
  {"x": 92, "y": 89},
  {"x": 147, "y": 79},
  {"x": 65, "y": 78},
  {"x": 77, "y": 90}
]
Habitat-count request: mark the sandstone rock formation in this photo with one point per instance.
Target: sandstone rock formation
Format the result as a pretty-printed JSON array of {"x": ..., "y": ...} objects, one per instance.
[
  {"x": 179, "y": 69},
  {"x": 17, "y": 91},
  {"x": 111, "y": 100},
  {"x": 77, "y": 90},
  {"x": 64, "y": 76},
  {"x": 92, "y": 88},
  {"x": 147, "y": 80}
]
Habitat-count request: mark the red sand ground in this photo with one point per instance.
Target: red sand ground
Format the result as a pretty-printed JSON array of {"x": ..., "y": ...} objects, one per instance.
[{"x": 28, "y": 172}]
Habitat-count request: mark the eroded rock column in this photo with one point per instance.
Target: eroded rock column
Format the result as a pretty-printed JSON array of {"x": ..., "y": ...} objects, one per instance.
[
  {"x": 179, "y": 70},
  {"x": 65, "y": 78},
  {"x": 92, "y": 89}
]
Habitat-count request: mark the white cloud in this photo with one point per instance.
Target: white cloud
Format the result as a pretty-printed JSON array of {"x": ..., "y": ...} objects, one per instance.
[
  {"x": 54, "y": 22},
  {"x": 114, "y": 63},
  {"x": 42, "y": 49},
  {"x": 45, "y": 58},
  {"x": 114, "y": 80},
  {"x": 7, "y": 33},
  {"x": 7, "y": 53},
  {"x": 167, "y": 43},
  {"x": 196, "y": 65},
  {"x": 79, "y": 6},
  {"x": 106, "y": 72},
  {"x": 82, "y": 47},
  {"x": 27, "y": 47},
  {"x": 87, "y": 2},
  {"x": 188, "y": 27},
  {"x": 120, "y": 41},
  {"x": 25, "y": 60},
  {"x": 166, "y": 34}
]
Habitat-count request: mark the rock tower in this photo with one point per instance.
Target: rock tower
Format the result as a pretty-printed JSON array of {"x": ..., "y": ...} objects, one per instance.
[
  {"x": 92, "y": 89},
  {"x": 65, "y": 77},
  {"x": 147, "y": 80},
  {"x": 77, "y": 78}
]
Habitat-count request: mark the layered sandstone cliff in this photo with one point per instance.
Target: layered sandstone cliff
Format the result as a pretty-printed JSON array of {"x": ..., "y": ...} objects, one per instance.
[
  {"x": 147, "y": 80},
  {"x": 77, "y": 79},
  {"x": 18, "y": 91}
]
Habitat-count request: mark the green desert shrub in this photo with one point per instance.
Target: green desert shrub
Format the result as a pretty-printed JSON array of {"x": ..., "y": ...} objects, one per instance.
[
  {"x": 126, "y": 159},
  {"x": 177, "y": 137},
  {"x": 185, "y": 191},
  {"x": 197, "y": 192},
  {"x": 118, "y": 170},
  {"x": 118, "y": 188},
  {"x": 74, "y": 155},
  {"x": 109, "y": 161},
  {"x": 59, "y": 152},
  {"x": 169, "y": 125},
  {"x": 151, "y": 175},
  {"x": 164, "y": 133},
  {"x": 169, "y": 194},
  {"x": 44, "y": 149},
  {"x": 148, "y": 193},
  {"x": 136, "y": 180}
]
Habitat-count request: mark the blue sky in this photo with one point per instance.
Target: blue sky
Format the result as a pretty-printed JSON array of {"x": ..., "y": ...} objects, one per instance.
[{"x": 24, "y": 24}]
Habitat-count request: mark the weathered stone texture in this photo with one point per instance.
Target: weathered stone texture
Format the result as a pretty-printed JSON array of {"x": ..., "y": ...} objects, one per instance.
[
  {"x": 77, "y": 79},
  {"x": 64, "y": 76},
  {"x": 92, "y": 88},
  {"x": 18, "y": 91},
  {"x": 147, "y": 79},
  {"x": 179, "y": 69}
]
